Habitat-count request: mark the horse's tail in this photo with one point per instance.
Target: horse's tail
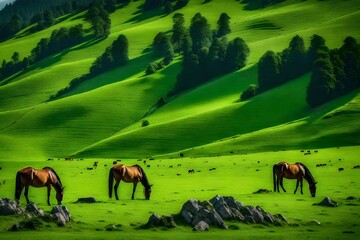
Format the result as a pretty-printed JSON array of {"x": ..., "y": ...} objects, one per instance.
[
  {"x": 274, "y": 177},
  {"x": 111, "y": 181},
  {"x": 18, "y": 186}
]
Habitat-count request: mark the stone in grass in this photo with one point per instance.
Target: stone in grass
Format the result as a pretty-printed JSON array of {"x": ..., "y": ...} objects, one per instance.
[
  {"x": 156, "y": 220},
  {"x": 86, "y": 200},
  {"x": 32, "y": 208},
  {"x": 262, "y": 190},
  {"x": 201, "y": 226},
  {"x": 327, "y": 202},
  {"x": 113, "y": 227}
]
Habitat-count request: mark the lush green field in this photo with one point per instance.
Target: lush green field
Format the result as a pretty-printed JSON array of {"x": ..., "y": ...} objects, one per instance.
[
  {"x": 237, "y": 176},
  {"x": 100, "y": 120},
  {"x": 102, "y": 117}
]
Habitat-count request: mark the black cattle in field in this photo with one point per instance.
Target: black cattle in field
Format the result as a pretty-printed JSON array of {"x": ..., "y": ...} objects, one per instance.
[
  {"x": 191, "y": 171},
  {"x": 341, "y": 169},
  {"x": 357, "y": 166}
]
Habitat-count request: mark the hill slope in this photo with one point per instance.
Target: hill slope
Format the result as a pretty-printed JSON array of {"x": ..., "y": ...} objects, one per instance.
[{"x": 102, "y": 117}]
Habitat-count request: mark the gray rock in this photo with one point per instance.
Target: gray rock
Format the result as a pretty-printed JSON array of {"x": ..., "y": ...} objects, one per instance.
[
  {"x": 86, "y": 200},
  {"x": 201, "y": 226},
  {"x": 59, "y": 218},
  {"x": 237, "y": 215},
  {"x": 252, "y": 214},
  {"x": 233, "y": 203},
  {"x": 192, "y": 206},
  {"x": 168, "y": 221},
  {"x": 9, "y": 207},
  {"x": 327, "y": 202},
  {"x": 187, "y": 216},
  {"x": 32, "y": 208},
  {"x": 164, "y": 221},
  {"x": 154, "y": 220},
  {"x": 221, "y": 207},
  {"x": 280, "y": 218},
  {"x": 61, "y": 215}
]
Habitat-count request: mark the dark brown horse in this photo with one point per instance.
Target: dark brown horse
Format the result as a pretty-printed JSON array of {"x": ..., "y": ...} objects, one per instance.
[
  {"x": 296, "y": 171},
  {"x": 132, "y": 174},
  {"x": 45, "y": 177}
]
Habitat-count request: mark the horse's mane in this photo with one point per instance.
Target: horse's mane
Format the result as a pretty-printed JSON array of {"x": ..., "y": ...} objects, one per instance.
[
  {"x": 144, "y": 180},
  {"x": 55, "y": 174},
  {"x": 308, "y": 176}
]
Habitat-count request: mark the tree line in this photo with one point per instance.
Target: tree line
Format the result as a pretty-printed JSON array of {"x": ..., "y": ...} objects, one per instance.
[
  {"x": 116, "y": 55},
  {"x": 22, "y": 13},
  {"x": 206, "y": 53},
  {"x": 59, "y": 40},
  {"x": 334, "y": 72}
]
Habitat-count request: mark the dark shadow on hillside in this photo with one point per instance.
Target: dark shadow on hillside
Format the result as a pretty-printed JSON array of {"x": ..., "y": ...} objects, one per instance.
[
  {"x": 252, "y": 5},
  {"x": 320, "y": 112},
  {"x": 119, "y": 74},
  {"x": 262, "y": 25},
  {"x": 52, "y": 59},
  {"x": 141, "y": 15}
]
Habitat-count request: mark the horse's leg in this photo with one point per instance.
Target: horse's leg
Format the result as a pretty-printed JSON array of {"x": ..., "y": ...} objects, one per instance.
[
  {"x": 27, "y": 194},
  {"x": 278, "y": 183},
  {"x": 281, "y": 183},
  {"x": 48, "y": 194},
  {"x": 18, "y": 194},
  {"x": 297, "y": 185},
  {"x": 116, "y": 188},
  {"x": 134, "y": 188},
  {"x": 301, "y": 185}
]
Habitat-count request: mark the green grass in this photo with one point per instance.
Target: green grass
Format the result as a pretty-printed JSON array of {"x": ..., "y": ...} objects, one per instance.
[
  {"x": 238, "y": 176},
  {"x": 101, "y": 120},
  {"x": 106, "y": 111}
]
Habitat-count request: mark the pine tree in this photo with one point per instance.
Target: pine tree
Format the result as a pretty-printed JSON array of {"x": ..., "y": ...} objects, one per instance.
[
  {"x": 236, "y": 55},
  {"x": 178, "y": 30},
  {"x": 269, "y": 71},
  {"x": 200, "y": 32},
  {"x": 323, "y": 82},
  {"x": 223, "y": 25}
]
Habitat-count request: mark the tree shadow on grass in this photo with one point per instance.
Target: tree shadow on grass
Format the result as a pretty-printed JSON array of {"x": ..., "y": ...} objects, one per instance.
[
  {"x": 252, "y": 5},
  {"x": 52, "y": 59},
  {"x": 141, "y": 15},
  {"x": 112, "y": 76}
]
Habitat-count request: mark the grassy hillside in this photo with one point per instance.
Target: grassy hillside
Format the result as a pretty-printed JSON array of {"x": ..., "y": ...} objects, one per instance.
[{"x": 102, "y": 117}]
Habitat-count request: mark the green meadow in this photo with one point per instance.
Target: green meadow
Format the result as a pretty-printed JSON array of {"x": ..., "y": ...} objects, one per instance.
[
  {"x": 237, "y": 176},
  {"x": 101, "y": 120}
]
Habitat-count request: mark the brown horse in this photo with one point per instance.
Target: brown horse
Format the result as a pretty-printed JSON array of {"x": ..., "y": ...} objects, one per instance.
[
  {"x": 45, "y": 177},
  {"x": 132, "y": 174},
  {"x": 296, "y": 171}
]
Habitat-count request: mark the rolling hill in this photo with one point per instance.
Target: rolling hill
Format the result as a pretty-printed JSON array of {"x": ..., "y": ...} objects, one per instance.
[{"x": 102, "y": 117}]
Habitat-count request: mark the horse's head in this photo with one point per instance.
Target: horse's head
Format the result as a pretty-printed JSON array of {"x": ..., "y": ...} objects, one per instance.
[
  {"x": 148, "y": 192},
  {"x": 60, "y": 195},
  {"x": 312, "y": 188}
]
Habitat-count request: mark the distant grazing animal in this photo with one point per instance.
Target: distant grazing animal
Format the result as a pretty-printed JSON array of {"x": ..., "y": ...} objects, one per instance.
[
  {"x": 115, "y": 162},
  {"x": 191, "y": 171},
  {"x": 357, "y": 166},
  {"x": 296, "y": 171},
  {"x": 45, "y": 177},
  {"x": 321, "y": 165},
  {"x": 132, "y": 174},
  {"x": 341, "y": 169},
  {"x": 95, "y": 164},
  {"x": 212, "y": 169},
  {"x": 148, "y": 166},
  {"x": 89, "y": 168}
]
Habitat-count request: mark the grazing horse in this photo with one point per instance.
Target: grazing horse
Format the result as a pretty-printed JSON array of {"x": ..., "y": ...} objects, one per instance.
[
  {"x": 296, "y": 171},
  {"x": 132, "y": 174},
  {"x": 45, "y": 177}
]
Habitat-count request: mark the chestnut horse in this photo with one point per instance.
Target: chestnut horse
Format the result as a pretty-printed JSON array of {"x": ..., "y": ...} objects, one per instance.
[
  {"x": 296, "y": 171},
  {"x": 45, "y": 177},
  {"x": 132, "y": 174}
]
